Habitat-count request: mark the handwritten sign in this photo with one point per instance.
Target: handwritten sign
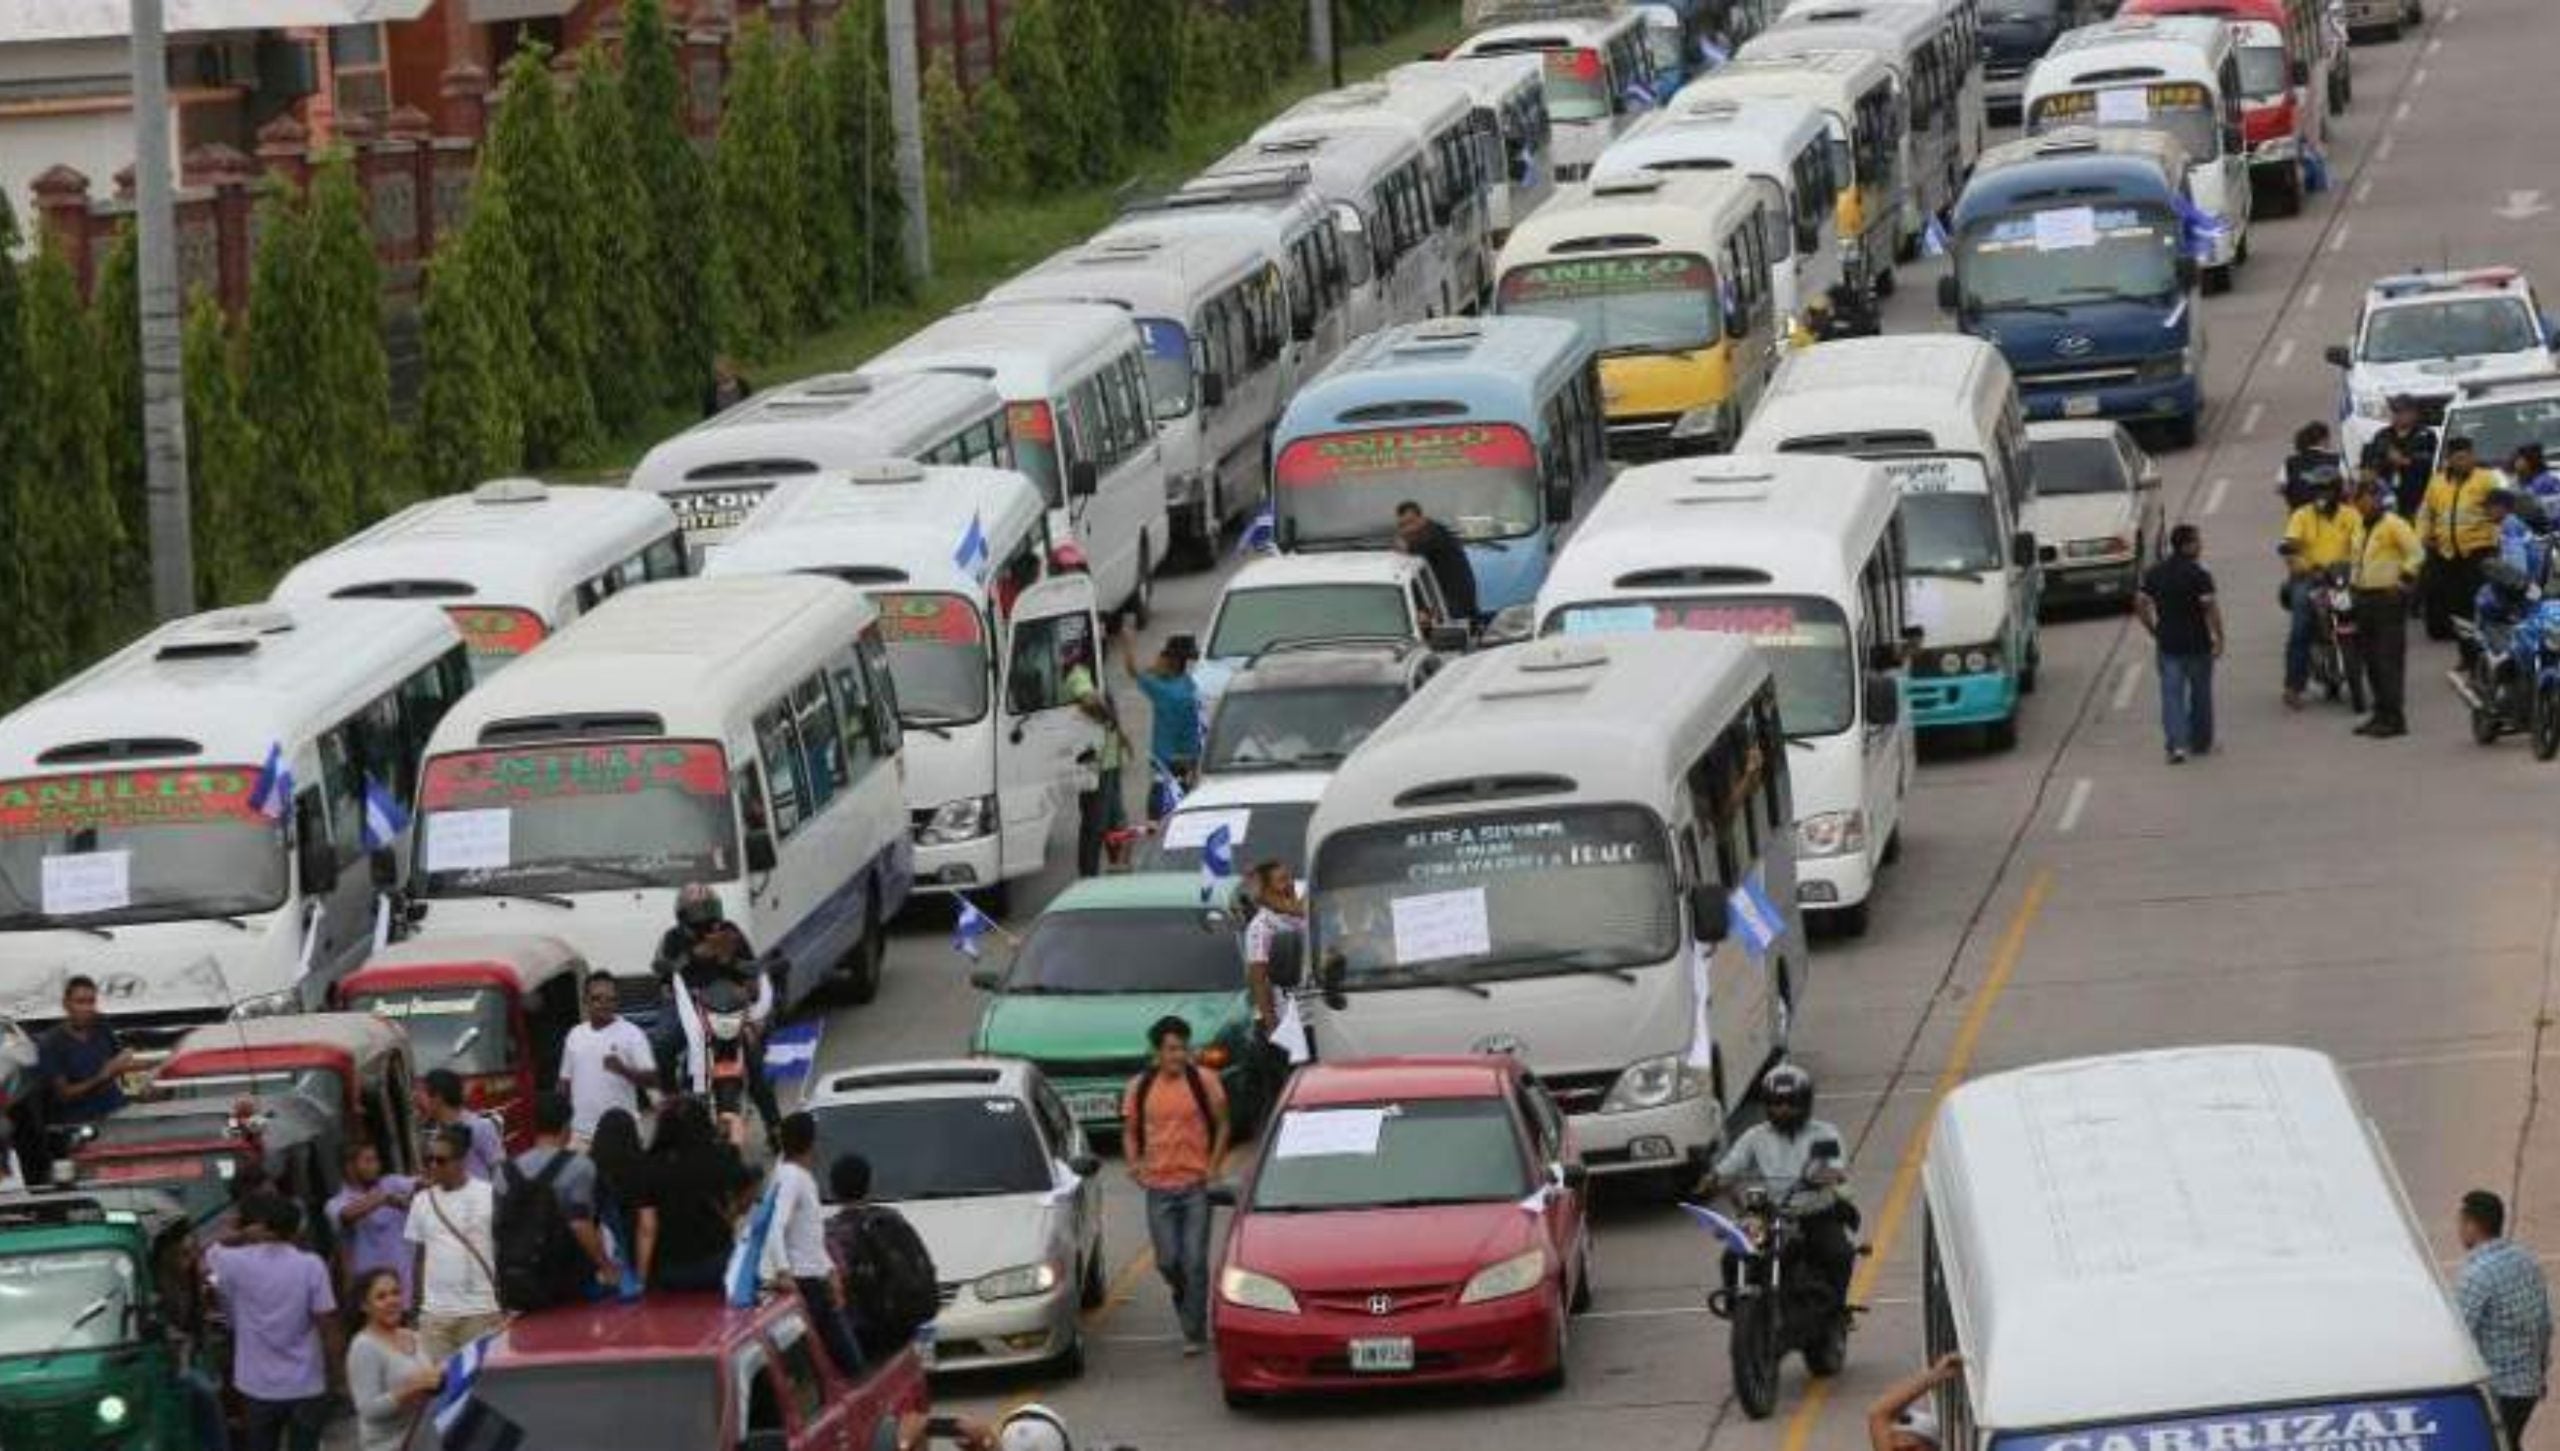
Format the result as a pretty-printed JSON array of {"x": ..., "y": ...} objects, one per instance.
[
  {"x": 2066, "y": 229},
  {"x": 469, "y": 841},
  {"x": 96, "y": 881},
  {"x": 1441, "y": 925},
  {"x": 1188, "y": 830},
  {"x": 2128, "y": 106},
  {"x": 1339, "y": 1132}
]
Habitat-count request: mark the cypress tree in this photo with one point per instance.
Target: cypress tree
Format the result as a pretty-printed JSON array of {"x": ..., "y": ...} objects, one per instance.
[
  {"x": 352, "y": 420},
  {"x": 629, "y": 304},
  {"x": 684, "y": 245},
  {"x": 222, "y": 453},
  {"x": 1085, "y": 28},
  {"x": 476, "y": 339},
  {"x": 756, "y": 174},
  {"x": 1001, "y": 160},
  {"x": 950, "y": 172},
  {"x": 17, "y": 681},
  {"x": 70, "y": 541},
  {"x": 858, "y": 50},
  {"x": 1041, "y": 88},
  {"x": 301, "y": 496},
  {"x": 812, "y": 89},
  {"x": 529, "y": 163},
  {"x": 115, "y": 309},
  {"x": 1145, "y": 81}
]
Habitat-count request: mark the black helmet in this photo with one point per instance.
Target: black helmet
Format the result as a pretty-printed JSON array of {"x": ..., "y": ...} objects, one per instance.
[
  {"x": 2324, "y": 478},
  {"x": 1789, "y": 1086},
  {"x": 697, "y": 907}
]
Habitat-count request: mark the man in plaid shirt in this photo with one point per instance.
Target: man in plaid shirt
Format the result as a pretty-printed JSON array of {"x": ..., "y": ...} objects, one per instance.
[{"x": 2508, "y": 1307}]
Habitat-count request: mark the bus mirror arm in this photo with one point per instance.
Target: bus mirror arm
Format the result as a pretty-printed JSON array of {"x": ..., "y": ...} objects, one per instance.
[
  {"x": 1948, "y": 297},
  {"x": 1707, "y": 920},
  {"x": 1886, "y": 655}
]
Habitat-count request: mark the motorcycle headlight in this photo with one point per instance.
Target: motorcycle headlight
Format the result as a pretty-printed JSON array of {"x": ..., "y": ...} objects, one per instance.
[
  {"x": 1831, "y": 833},
  {"x": 1517, "y": 1275},
  {"x": 1020, "y": 1282},
  {"x": 269, "y": 1005},
  {"x": 1651, "y": 1083},
  {"x": 962, "y": 820},
  {"x": 1240, "y": 1286},
  {"x": 1700, "y": 422}
]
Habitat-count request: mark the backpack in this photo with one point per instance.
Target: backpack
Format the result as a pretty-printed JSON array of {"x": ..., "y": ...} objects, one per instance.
[
  {"x": 889, "y": 1277},
  {"x": 539, "y": 1261}
]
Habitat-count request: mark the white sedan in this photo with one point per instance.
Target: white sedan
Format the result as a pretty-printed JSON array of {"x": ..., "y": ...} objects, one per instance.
[{"x": 2096, "y": 513}]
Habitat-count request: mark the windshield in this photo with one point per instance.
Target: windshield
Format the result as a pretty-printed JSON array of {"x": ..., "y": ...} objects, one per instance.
[
  {"x": 324, "y": 1088},
  {"x": 2460, "y": 329},
  {"x": 1269, "y": 831},
  {"x": 2450, "y": 1420},
  {"x": 1393, "y": 1155},
  {"x": 1577, "y": 90},
  {"x": 136, "y": 846},
  {"x": 2064, "y": 255},
  {"x": 2264, "y": 75},
  {"x": 1151, "y": 950},
  {"x": 1035, "y": 446},
  {"x": 596, "y": 1401},
  {"x": 2077, "y": 466},
  {"x": 1660, "y": 303},
  {"x": 937, "y": 656},
  {"x": 2183, "y": 109},
  {"x": 66, "y": 1300},
  {"x": 1804, "y": 638},
  {"x": 1310, "y": 728},
  {"x": 1497, "y": 894},
  {"x": 573, "y": 818},
  {"x": 493, "y": 636},
  {"x": 938, "y": 1148},
  {"x": 1168, "y": 355},
  {"x": 2497, "y": 429},
  {"x": 1480, "y": 479},
  {"x": 1950, "y": 534},
  {"x": 1250, "y": 620},
  {"x": 461, "y": 1028}
]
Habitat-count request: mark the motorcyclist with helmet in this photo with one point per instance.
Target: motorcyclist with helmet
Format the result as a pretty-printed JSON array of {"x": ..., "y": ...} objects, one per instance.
[
  {"x": 703, "y": 948},
  {"x": 2318, "y": 537},
  {"x": 1778, "y": 1154}
]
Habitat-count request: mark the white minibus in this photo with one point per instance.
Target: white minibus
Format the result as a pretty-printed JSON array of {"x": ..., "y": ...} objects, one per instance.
[
  {"x": 1599, "y": 72},
  {"x": 714, "y": 473},
  {"x": 739, "y": 732},
  {"x": 957, "y": 563},
  {"x": 1074, "y": 381},
  {"x": 1379, "y": 184},
  {"x": 1440, "y": 115},
  {"x": 2188, "y": 1249},
  {"x": 1513, "y": 135},
  {"x": 1579, "y": 852},
  {"x": 1802, "y": 557},
  {"x": 1905, "y": 38},
  {"x": 187, "y": 820},
  {"x": 1281, "y": 212},
  {"x": 1941, "y": 413},
  {"x": 511, "y": 561}
]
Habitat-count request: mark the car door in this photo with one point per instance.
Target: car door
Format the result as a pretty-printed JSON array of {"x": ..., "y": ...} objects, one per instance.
[
  {"x": 819, "y": 1421},
  {"x": 1546, "y": 1129},
  {"x": 2148, "y": 515},
  {"x": 1043, "y": 735},
  {"x": 755, "y": 1398},
  {"x": 1067, "y": 1144}
]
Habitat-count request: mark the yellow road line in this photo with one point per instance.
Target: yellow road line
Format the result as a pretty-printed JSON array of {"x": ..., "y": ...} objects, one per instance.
[{"x": 1915, "y": 1150}]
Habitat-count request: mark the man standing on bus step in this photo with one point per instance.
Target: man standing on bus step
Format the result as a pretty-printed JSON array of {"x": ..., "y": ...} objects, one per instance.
[
  {"x": 1431, "y": 542},
  {"x": 2507, "y": 1306}
]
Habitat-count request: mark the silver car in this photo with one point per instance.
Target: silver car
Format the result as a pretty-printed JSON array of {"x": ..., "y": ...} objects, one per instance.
[{"x": 984, "y": 1160}]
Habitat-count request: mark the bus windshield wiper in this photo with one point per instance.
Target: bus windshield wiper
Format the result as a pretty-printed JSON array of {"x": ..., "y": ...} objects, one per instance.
[
  {"x": 1460, "y": 984},
  {"x": 548, "y": 899},
  {"x": 2115, "y": 294},
  {"x": 47, "y": 921}
]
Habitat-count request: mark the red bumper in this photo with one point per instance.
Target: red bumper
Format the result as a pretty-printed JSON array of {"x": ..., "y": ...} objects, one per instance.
[{"x": 1261, "y": 1353}]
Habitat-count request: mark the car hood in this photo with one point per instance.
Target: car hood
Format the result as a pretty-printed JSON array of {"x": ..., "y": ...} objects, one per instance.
[
  {"x": 2061, "y": 517},
  {"x": 1368, "y": 1249},
  {"x": 1956, "y": 611},
  {"x": 973, "y": 1237},
  {"x": 2434, "y": 377},
  {"x": 2095, "y": 335},
  {"x": 1091, "y": 1026}
]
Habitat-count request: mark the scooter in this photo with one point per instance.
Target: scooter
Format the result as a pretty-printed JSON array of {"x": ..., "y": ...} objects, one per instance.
[
  {"x": 2335, "y": 667},
  {"x": 1775, "y": 1302},
  {"x": 2490, "y": 680}
]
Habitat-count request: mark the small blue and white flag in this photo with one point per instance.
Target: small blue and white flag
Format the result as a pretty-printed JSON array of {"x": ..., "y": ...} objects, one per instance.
[
  {"x": 384, "y": 819},
  {"x": 1638, "y": 96},
  {"x": 1933, "y": 237},
  {"x": 1713, "y": 54},
  {"x": 1732, "y": 1234},
  {"x": 1753, "y": 917},
  {"x": 791, "y": 1050},
  {"x": 744, "y": 1282},
  {"x": 1261, "y": 533},
  {"x": 2199, "y": 229},
  {"x": 1217, "y": 860},
  {"x": 971, "y": 555},
  {"x": 463, "y": 1422},
  {"x": 971, "y": 927},
  {"x": 271, "y": 795},
  {"x": 1168, "y": 788}
]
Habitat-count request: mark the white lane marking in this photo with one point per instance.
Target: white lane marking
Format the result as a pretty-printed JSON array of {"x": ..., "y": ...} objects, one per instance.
[
  {"x": 2403, "y": 111},
  {"x": 2434, "y": 44},
  {"x": 2338, "y": 238},
  {"x": 2364, "y": 191},
  {"x": 2417, "y": 78},
  {"x": 2125, "y": 687},
  {"x": 2073, "y": 805},
  {"x": 2213, "y": 496},
  {"x": 2284, "y": 352},
  {"x": 2249, "y": 420},
  {"x": 2523, "y": 206},
  {"x": 2383, "y": 148},
  {"x": 2311, "y": 297}
]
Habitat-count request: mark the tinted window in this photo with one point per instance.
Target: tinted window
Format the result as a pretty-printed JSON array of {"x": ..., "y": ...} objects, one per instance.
[
  {"x": 2077, "y": 466},
  {"x": 1311, "y": 728},
  {"x": 1169, "y": 949},
  {"x": 938, "y": 1148},
  {"x": 1419, "y": 1152}
]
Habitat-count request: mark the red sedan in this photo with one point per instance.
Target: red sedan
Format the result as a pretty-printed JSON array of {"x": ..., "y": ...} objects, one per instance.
[{"x": 1409, "y": 1221}]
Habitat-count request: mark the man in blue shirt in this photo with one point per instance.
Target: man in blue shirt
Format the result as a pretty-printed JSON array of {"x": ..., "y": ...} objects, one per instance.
[
  {"x": 2507, "y": 1306},
  {"x": 1173, "y": 705},
  {"x": 79, "y": 1059}
]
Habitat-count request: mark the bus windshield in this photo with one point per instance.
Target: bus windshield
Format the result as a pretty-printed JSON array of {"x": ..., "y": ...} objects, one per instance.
[
  {"x": 576, "y": 818},
  {"x": 2186, "y": 110},
  {"x": 2455, "y": 1420},
  {"x": 1948, "y": 524},
  {"x": 1496, "y": 895},
  {"x": 937, "y": 657},
  {"x": 1168, "y": 355},
  {"x": 1253, "y": 620},
  {"x": 1662, "y": 302},
  {"x": 1804, "y": 637},
  {"x": 2064, "y": 255},
  {"x": 136, "y": 846},
  {"x": 1342, "y": 488},
  {"x": 2497, "y": 429},
  {"x": 1577, "y": 86},
  {"x": 1035, "y": 445},
  {"x": 2264, "y": 73}
]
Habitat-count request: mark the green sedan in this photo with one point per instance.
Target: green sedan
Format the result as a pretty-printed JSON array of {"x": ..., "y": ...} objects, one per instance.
[{"x": 1108, "y": 958}]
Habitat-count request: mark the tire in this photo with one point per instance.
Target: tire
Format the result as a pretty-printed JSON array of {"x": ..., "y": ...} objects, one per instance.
[
  {"x": 2284, "y": 199},
  {"x": 1582, "y": 1293},
  {"x": 1829, "y": 1354},
  {"x": 2001, "y": 735},
  {"x": 1850, "y": 921},
  {"x": 1070, "y": 1362},
  {"x": 1884, "y": 288},
  {"x": 1893, "y": 847},
  {"x": 2181, "y": 432},
  {"x": 2484, "y": 727},
  {"x": 1554, "y": 1379},
  {"x": 2546, "y": 722},
  {"x": 1753, "y": 1346},
  {"x": 862, "y": 966},
  {"x": 1142, "y": 600},
  {"x": 2217, "y": 280},
  {"x": 1240, "y": 1400}
]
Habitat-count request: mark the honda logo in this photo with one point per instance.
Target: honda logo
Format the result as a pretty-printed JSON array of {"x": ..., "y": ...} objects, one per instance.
[
  {"x": 2072, "y": 345},
  {"x": 1381, "y": 1304},
  {"x": 1501, "y": 1045}
]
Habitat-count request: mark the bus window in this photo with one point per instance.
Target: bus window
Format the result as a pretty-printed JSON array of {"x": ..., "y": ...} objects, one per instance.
[{"x": 779, "y": 746}]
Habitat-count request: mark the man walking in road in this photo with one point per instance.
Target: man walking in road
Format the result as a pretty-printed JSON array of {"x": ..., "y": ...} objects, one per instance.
[
  {"x": 1177, "y": 1137},
  {"x": 1431, "y": 542},
  {"x": 2385, "y": 570},
  {"x": 2507, "y": 1305},
  {"x": 2177, "y": 606}
]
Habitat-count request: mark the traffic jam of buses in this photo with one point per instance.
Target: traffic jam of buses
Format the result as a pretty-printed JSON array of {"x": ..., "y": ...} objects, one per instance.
[{"x": 1523, "y": 764}]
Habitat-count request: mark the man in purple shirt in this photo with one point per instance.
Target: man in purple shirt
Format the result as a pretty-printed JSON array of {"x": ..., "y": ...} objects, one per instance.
[
  {"x": 440, "y": 1102},
  {"x": 371, "y": 1214},
  {"x": 284, "y": 1327}
]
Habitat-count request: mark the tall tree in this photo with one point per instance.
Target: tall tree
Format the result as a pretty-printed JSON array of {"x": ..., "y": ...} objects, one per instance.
[
  {"x": 116, "y": 312},
  {"x": 222, "y": 453},
  {"x": 757, "y": 175},
  {"x": 529, "y": 163},
  {"x": 1146, "y": 76},
  {"x": 17, "y": 680},
  {"x": 950, "y": 169},
  {"x": 304, "y": 495},
  {"x": 69, "y": 538},
  {"x": 1089, "y": 45},
  {"x": 477, "y": 341},
  {"x": 858, "y": 51},
  {"x": 630, "y": 305},
  {"x": 811, "y": 86},
  {"x": 684, "y": 244},
  {"x": 1043, "y": 90},
  {"x": 352, "y": 418}
]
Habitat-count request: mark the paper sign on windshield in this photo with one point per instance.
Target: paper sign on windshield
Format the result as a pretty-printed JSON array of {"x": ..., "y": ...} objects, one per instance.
[
  {"x": 469, "y": 841},
  {"x": 1335, "y": 1132},
  {"x": 1441, "y": 925},
  {"x": 2066, "y": 229},
  {"x": 1936, "y": 475},
  {"x": 96, "y": 881},
  {"x": 2126, "y": 106},
  {"x": 1187, "y": 830}
]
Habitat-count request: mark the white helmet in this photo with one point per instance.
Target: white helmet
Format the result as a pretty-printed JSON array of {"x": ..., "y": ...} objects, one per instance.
[{"x": 1033, "y": 1428}]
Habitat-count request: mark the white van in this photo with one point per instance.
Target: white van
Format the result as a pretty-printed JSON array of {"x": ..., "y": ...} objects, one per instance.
[
  {"x": 1780, "y": 143},
  {"x": 1802, "y": 557},
  {"x": 737, "y": 732},
  {"x": 511, "y": 561},
  {"x": 1440, "y": 115},
  {"x": 1541, "y": 854},
  {"x": 716, "y": 472},
  {"x": 2201, "y": 1247},
  {"x": 1941, "y": 413},
  {"x": 1296, "y": 228},
  {"x": 1074, "y": 381},
  {"x": 1339, "y": 594},
  {"x": 1599, "y": 72},
  {"x": 957, "y": 563},
  {"x": 1514, "y": 137},
  {"x": 1214, "y": 315},
  {"x": 186, "y": 820},
  {"x": 1379, "y": 184}
]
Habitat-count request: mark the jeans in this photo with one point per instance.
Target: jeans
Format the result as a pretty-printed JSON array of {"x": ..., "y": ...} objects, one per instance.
[
  {"x": 268, "y": 1425},
  {"x": 817, "y": 1296},
  {"x": 2186, "y": 700},
  {"x": 2299, "y": 635},
  {"x": 1178, "y": 1227}
]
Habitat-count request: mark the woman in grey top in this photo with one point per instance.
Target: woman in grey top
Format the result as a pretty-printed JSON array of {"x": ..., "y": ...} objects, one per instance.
[{"x": 387, "y": 1377}]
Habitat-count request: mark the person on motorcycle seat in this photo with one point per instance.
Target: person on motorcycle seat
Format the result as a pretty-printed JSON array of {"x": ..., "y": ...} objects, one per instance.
[
  {"x": 1778, "y": 1155},
  {"x": 2509, "y": 579},
  {"x": 2318, "y": 537},
  {"x": 702, "y": 948}
]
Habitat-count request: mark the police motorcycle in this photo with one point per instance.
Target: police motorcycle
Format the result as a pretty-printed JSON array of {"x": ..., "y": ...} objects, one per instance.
[
  {"x": 1775, "y": 1300},
  {"x": 2510, "y": 676}
]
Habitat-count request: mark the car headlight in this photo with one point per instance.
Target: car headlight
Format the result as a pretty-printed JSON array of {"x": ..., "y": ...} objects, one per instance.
[
  {"x": 1700, "y": 422},
  {"x": 1651, "y": 1083},
  {"x": 962, "y": 820},
  {"x": 2376, "y": 406},
  {"x": 1240, "y": 1286},
  {"x": 269, "y": 1005},
  {"x": 1831, "y": 833},
  {"x": 2111, "y": 547},
  {"x": 1517, "y": 1275},
  {"x": 2168, "y": 367},
  {"x": 1020, "y": 1282},
  {"x": 112, "y": 1411}
]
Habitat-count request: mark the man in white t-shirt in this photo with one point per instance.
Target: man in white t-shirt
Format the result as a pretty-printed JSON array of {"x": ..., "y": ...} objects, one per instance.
[
  {"x": 604, "y": 1063},
  {"x": 800, "y": 1228},
  {"x": 453, "y": 1222},
  {"x": 1278, "y": 913}
]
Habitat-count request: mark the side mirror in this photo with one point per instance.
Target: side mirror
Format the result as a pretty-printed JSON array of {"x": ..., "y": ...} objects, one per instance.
[
  {"x": 1082, "y": 478},
  {"x": 1509, "y": 626},
  {"x": 384, "y": 863},
  {"x": 1947, "y": 294},
  {"x": 1213, "y": 391},
  {"x": 760, "y": 854},
  {"x": 1884, "y": 655},
  {"x": 2187, "y": 273},
  {"x": 1222, "y": 1195},
  {"x": 2550, "y": 331},
  {"x": 2337, "y": 356},
  {"x": 1302, "y": 329},
  {"x": 1707, "y": 919},
  {"x": 1085, "y": 1166},
  {"x": 1884, "y": 700},
  {"x": 1448, "y": 639},
  {"x": 2047, "y": 554},
  {"x": 1573, "y": 1176},
  {"x": 313, "y": 853},
  {"x": 986, "y": 980},
  {"x": 2022, "y": 549},
  {"x": 1329, "y": 976}
]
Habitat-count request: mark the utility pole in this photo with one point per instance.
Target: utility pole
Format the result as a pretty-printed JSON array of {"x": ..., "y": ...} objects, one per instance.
[
  {"x": 164, "y": 391},
  {"x": 1333, "y": 39},
  {"x": 1320, "y": 35},
  {"x": 906, "y": 117}
]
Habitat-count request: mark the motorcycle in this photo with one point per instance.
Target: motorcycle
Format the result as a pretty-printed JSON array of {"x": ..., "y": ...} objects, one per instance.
[
  {"x": 2491, "y": 680},
  {"x": 1775, "y": 1302},
  {"x": 2335, "y": 667}
]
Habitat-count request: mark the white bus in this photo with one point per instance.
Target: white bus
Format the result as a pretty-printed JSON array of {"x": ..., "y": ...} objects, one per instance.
[
  {"x": 714, "y": 473},
  {"x": 185, "y": 821},
  {"x": 1440, "y": 115},
  {"x": 1599, "y": 73},
  {"x": 2190, "y": 1249},
  {"x": 1379, "y": 184},
  {"x": 1514, "y": 137},
  {"x": 957, "y": 562},
  {"x": 1566, "y": 850},
  {"x": 511, "y": 561},
  {"x": 1074, "y": 381},
  {"x": 1214, "y": 315},
  {"x": 1803, "y": 558},
  {"x": 1907, "y": 38},
  {"x": 1297, "y": 229},
  {"x": 738, "y": 732}
]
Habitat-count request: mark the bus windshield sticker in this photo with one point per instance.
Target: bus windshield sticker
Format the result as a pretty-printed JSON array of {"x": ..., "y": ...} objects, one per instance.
[
  {"x": 1936, "y": 475},
  {"x": 125, "y": 800},
  {"x": 96, "y": 881},
  {"x": 468, "y": 841},
  {"x": 1608, "y": 277},
  {"x": 2066, "y": 229},
  {"x": 1441, "y": 925},
  {"x": 1395, "y": 452},
  {"x": 933, "y": 619},
  {"x": 2452, "y": 1421},
  {"x": 489, "y": 630},
  {"x": 2124, "y": 106},
  {"x": 1164, "y": 338},
  {"x": 503, "y": 778}
]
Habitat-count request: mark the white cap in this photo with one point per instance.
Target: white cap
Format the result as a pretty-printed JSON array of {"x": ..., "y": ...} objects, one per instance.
[{"x": 1033, "y": 1428}]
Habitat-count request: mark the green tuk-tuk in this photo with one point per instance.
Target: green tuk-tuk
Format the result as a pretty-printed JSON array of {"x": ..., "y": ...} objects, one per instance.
[{"x": 94, "y": 1286}]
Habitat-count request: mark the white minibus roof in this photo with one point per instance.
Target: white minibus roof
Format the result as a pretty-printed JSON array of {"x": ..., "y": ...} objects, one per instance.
[
  {"x": 1428, "y": 106},
  {"x": 1832, "y": 79},
  {"x": 1534, "y": 36},
  {"x": 1343, "y": 163},
  {"x": 1768, "y": 523},
  {"x": 510, "y": 541},
  {"x": 2136, "y": 50},
  {"x": 888, "y": 524},
  {"x": 2176, "y": 1231},
  {"x": 1028, "y": 351},
  {"x": 1864, "y": 392},
  {"x": 1144, "y": 272},
  {"x": 1894, "y": 31},
  {"x": 1634, "y": 212},
  {"x": 1490, "y": 79},
  {"x": 1761, "y": 135},
  {"x": 830, "y": 421}
]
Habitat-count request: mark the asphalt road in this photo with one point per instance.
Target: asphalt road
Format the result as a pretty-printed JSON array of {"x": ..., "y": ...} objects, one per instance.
[{"x": 2391, "y": 903}]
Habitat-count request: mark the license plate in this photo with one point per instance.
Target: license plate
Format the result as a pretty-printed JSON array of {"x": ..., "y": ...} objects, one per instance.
[
  {"x": 1388, "y": 1353},
  {"x": 2084, "y": 405},
  {"x": 1098, "y": 1104}
]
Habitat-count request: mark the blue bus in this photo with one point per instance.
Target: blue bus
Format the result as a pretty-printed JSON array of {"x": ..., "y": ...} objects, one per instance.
[
  {"x": 2071, "y": 255},
  {"x": 1490, "y": 424}
]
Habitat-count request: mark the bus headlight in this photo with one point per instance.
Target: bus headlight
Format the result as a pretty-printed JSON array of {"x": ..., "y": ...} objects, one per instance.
[
  {"x": 966, "y": 819},
  {"x": 1651, "y": 1083},
  {"x": 269, "y": 1005},
  {"x": 2376, "y": 406},
  {"x": 1832, "y": 833},
  {"x": 1704, "y": 421},
  {"x": 2116, "y": 546}
]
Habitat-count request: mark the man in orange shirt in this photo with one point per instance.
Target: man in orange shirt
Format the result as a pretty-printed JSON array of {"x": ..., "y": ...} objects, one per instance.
[{"x": 1175, "y": 1132}]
